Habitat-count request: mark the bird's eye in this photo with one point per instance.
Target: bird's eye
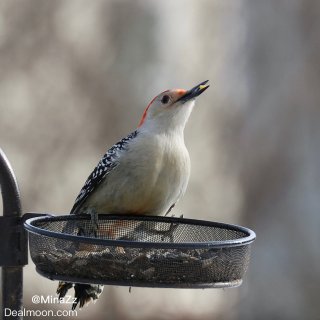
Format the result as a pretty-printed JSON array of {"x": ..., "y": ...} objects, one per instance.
[{"x": 165, "y": 99}]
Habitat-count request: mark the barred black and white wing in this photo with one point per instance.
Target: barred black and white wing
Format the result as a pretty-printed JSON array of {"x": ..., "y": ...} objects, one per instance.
[{"x": 103, "y": 168}]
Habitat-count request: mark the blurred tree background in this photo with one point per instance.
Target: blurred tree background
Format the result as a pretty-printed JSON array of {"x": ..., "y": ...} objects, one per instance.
[{"x": 75, "y": 77}]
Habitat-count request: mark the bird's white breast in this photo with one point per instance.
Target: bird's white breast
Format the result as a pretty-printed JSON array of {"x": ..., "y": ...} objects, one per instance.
[{"x": 152, "y": 175}]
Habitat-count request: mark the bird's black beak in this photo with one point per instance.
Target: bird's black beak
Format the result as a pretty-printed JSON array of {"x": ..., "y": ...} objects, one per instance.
[{"x": 194, "y": 92}]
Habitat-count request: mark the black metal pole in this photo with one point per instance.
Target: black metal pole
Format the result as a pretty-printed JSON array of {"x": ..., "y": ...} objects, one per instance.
[{"x": 13, "y": 243}]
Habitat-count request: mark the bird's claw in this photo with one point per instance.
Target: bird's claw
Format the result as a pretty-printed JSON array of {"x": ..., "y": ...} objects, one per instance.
[
  {"x": 84, "y": 229},
  {"x": 94, "y": 221},
  {"x": 169, "y": 233}
]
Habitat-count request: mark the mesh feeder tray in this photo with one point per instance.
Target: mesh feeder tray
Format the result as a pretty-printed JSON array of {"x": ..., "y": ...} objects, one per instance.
[{"x": 140, "y": 251}]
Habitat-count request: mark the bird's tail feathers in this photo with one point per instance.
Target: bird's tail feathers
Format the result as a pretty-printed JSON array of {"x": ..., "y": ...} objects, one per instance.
[
  {"x": 83, "y": 293},
  {"x": 63, "y": 288}
]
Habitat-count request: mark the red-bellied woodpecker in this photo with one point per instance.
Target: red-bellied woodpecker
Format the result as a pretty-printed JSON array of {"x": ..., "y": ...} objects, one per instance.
[{"x": 145, "y": 173}]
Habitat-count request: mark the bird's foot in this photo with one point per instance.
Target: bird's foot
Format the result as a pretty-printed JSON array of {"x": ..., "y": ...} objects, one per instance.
[
  {"x": 169, "y": 233},
  {"x": 86, "y": 229},
  {"x": 94, "y": 221}
]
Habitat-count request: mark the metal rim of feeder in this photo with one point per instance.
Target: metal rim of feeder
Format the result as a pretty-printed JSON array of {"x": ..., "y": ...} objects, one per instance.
[
  {"x": 149, "y": 251},
  {"x": 248, "y": 239}
]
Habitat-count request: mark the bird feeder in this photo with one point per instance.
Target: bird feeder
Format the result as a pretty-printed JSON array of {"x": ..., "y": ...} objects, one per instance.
[{"x": 143, "y": 251}]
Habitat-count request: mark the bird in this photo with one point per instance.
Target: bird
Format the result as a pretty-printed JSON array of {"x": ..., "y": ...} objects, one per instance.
[{"x": 145, "y": 173}]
